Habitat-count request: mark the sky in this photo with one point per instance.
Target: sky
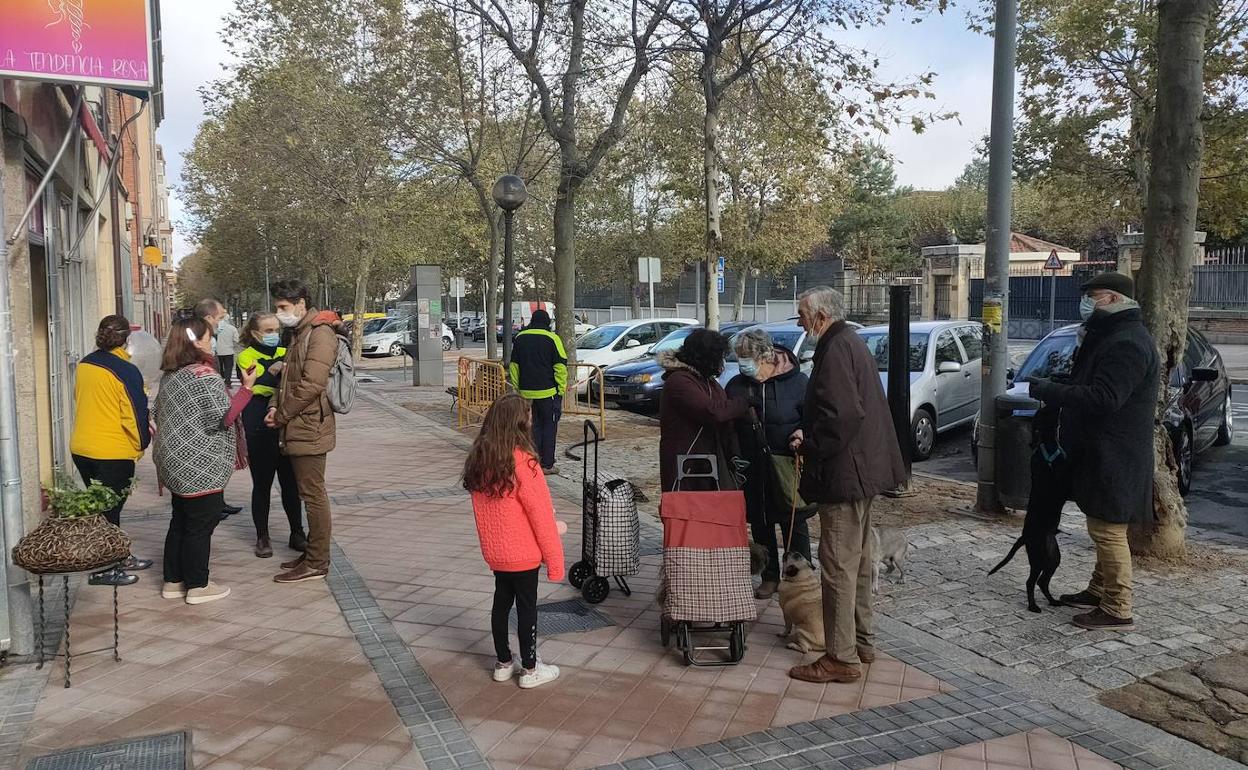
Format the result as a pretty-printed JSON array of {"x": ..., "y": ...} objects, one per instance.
[{"x": 932, "y": 160}]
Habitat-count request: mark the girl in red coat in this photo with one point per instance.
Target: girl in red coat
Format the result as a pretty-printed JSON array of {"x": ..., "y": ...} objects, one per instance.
[{"x": 516, "y": 524}]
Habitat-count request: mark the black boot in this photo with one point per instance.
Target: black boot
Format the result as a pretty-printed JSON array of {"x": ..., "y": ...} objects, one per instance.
[{"x": 298, "y": 541}]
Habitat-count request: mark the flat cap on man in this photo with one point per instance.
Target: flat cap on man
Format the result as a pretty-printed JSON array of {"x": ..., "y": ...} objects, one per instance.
[{"x": 1118, "y": 282}]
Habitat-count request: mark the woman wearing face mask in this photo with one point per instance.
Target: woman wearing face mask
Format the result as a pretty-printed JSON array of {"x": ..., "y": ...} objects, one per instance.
[
  {"x": 774, "y": 386},
  {"x": 196, "y": 452},
  {"x": 261, "y": 344}
]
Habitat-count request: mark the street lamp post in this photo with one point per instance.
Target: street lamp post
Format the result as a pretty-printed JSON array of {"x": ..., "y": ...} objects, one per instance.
[{"x": 510, "y": 194}]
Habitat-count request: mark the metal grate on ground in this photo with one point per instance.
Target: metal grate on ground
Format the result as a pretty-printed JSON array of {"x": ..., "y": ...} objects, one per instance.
[
  {"x": 571, "y": 616},
  {"x": 168, "y": 751}
]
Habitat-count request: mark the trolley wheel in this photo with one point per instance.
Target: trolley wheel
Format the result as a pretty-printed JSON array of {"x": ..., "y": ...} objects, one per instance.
[
  {"x": 579, "y": 573},
  {"x": 736, "y": 642},
  {"x": 665, "y": 631},
  {"x": 596, "y": 589}
]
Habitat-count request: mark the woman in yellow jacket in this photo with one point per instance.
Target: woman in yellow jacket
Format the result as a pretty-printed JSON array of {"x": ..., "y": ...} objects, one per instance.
[
  {"x": 260, "y": 341},
  {"x": 111, "y": 427}
]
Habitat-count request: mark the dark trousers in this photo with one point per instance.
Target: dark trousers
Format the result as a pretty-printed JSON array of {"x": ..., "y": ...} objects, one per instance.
[
  {"x": 117, "y": 475},
  {"x": 225, "y": 364},
  {"x": 519, "y": 588},
  {"x": 546, "y": 414},
  {"x": 189, "y": 542},
  {"x": 266, "y": 461},
  {"x": 765, "y": 535}
]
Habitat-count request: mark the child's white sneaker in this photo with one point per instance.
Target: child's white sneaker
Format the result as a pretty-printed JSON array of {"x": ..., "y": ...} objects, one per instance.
[
  {"x": 505, "y": 671},
  {"x": 543, "y": 673}
]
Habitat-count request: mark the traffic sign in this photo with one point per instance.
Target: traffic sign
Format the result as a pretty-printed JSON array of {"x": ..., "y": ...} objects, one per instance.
[
  {"x": 719, "y": 276},
  {"x": 1053, "y": 262}
]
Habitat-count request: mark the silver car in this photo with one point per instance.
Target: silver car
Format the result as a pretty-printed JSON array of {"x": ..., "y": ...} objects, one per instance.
[{"x": 945, "y": 376}]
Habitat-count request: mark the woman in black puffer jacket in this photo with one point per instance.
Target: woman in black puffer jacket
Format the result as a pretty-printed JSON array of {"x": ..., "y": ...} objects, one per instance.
[{"x": 774, "y": 386}]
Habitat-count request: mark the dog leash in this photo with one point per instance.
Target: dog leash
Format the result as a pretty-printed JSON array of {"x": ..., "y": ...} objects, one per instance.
[{"x": 797, "y": 480}]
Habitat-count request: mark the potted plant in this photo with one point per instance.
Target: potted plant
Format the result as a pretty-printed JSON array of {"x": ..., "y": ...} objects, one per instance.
[{"x": 75, "y": 537}]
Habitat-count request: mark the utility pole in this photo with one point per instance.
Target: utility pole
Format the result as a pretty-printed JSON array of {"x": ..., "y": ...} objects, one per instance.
[{"x": 997, "y": 257}]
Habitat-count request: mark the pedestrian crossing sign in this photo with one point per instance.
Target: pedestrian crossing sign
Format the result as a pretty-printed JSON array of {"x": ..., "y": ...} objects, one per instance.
[{"x": 1053, "y": 262}]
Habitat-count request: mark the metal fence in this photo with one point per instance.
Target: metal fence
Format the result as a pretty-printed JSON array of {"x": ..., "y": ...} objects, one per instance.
[
  {"x": 1227, "y": 255},
  {"x": 1219, "y": 287}
]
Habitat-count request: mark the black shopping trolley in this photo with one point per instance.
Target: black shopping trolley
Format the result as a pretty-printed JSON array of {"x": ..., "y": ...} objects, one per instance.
[{"x": 610, "y": 530}]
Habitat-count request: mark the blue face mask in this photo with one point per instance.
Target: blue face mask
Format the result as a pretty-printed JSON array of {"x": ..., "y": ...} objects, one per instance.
[
  {"x": 272, "y": 339},
  {"x": 1087, "y": 306},
  {"x": 749, "y": 367}
]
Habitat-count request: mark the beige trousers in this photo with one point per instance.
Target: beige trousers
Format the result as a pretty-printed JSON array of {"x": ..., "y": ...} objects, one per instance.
[
  {"x": 1111, "y": 578},
  {"x": 845, "y": 560}
]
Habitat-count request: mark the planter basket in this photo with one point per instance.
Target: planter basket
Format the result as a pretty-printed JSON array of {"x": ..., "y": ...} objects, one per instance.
[{"x": 71, "y": 545}]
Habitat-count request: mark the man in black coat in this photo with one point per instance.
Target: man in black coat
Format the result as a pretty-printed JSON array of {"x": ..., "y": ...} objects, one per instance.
[{"x": 1105, "y": 429}]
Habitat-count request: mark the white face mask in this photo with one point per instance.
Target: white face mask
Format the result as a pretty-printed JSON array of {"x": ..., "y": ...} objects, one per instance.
[{"x": 287, "y": 319}]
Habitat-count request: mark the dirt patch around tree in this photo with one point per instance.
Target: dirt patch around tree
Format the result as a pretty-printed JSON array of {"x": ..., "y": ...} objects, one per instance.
[{"x": 1206, "y": 703}]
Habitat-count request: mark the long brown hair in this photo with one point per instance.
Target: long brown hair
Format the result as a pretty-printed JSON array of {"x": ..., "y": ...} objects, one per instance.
[
  {"x": 491, "y": 467},
  {"x": 247, "y": 337},
  {"x": 180, "y": 349}
]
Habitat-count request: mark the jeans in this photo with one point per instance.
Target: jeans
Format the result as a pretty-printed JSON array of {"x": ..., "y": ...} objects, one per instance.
[
  {"x": 225, "y": 364},
  {"x": 310, "y": 478},
  {"x": 114, "y": 474},
  {"x": 765, "y": 535},
  {"x": 189, "y": 541},
  {"x": 546, "y": 413},
  {"x": 265, "y": 461},
  {"x": 845, "y": 558},
  {"x": 519, "y": 588}
]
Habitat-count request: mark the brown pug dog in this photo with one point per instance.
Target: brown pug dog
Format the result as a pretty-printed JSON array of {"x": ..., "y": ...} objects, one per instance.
[{"x": 801, "y": 601}]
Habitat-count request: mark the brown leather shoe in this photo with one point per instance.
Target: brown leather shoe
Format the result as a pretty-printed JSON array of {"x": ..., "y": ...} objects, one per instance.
[
  {"x": 824, "y": 670},
  {"x": 293, "y": 563},
  {"x": 301, "y": 573},
  {"x": 866, "y": 654},
  {"x": 264, "y": 549}
]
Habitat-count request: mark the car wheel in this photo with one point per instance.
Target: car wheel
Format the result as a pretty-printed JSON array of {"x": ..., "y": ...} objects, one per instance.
[
  {"x": 923, "y": 429},
  {"x": 1227, "y": 431},
  {"x": 446, "y": 343},
  {"x": 396, "y": 349},
  {"x": 1184, "y": 455}
]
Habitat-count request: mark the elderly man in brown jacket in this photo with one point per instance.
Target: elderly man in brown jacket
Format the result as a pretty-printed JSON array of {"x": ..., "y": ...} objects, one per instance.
[
  {"x": 301, "y": 410},
  {"x": 851, "y": 455}
]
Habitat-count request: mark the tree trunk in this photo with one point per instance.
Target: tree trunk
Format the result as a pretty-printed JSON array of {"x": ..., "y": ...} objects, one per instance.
[
  {"x": 1169, "y": 238},
  {"x": 565, "y": 262},
  {"x": 710, "y": 172},
  {"x": 363, "y": 268},
  {"x": 738, "y": 299},
  {"x": 635, "y": 288}
]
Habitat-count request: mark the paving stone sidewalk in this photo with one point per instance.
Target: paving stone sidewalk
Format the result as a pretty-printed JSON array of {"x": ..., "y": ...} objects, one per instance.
[{"x": 386, "y": 663}]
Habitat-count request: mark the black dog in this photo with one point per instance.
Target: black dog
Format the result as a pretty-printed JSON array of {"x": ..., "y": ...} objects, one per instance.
[
  {"x": 1049, "y": 486},
  {"x": 1043, "y": 554}
]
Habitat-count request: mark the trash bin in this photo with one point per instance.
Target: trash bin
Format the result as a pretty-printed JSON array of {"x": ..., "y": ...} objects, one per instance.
[
  {"x": 459, "y": 338},
  {"x": 1015, "y": 414}
]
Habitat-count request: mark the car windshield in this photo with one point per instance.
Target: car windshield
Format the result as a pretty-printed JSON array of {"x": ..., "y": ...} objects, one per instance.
[
  {"x": 672, "y": 341},
  {"x": 374, "y": 325},
  {"x": 601, "y": 337},
  {"x": 788, "y": 339},
  {"x": 877, "y": 343},
  {"x": 1053, "y": 356}
]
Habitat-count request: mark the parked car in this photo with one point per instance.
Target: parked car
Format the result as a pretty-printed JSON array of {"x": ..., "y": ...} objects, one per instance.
[
  {"x": 622, "y": 341},
  {"x": 386, "y": 336},
  {"x": 641, "y": 380},
  {"x": 945, "y": 376},
  {"x": 1199, "y": 411}
]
